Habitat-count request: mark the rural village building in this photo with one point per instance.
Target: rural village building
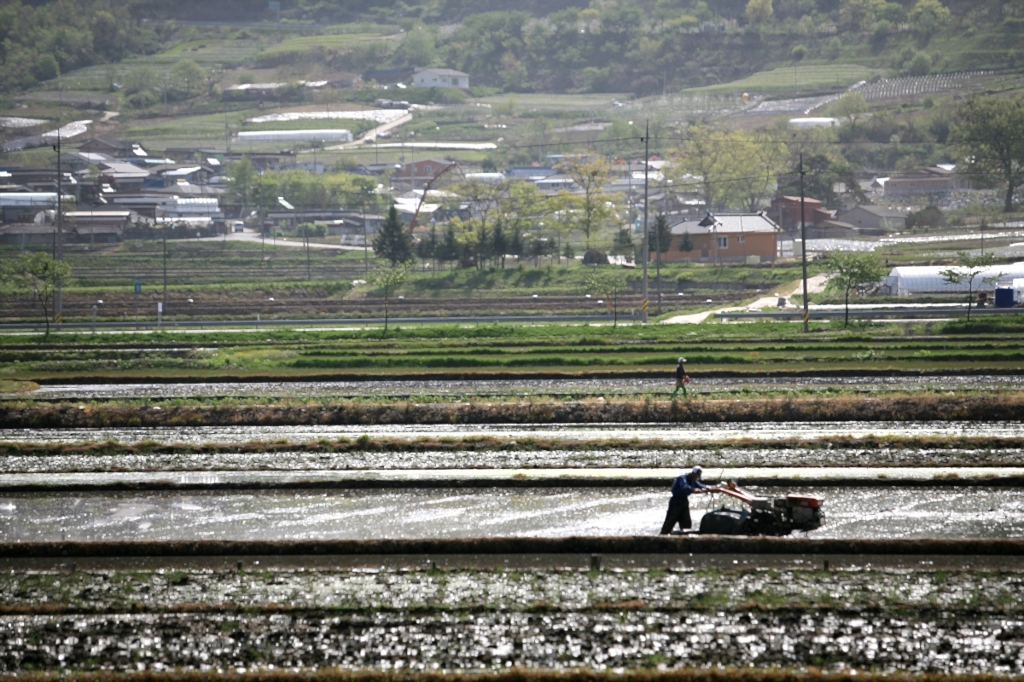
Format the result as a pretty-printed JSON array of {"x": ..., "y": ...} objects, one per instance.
[
  {"x": 733, "y": 238},
  {"x": 785, "y": 212},
  {"x": 416, "y": 174},
  {"x": 873, "y": 220},
  {"x": 440, "y": 78},
  {"x": 931, "y": 182}
]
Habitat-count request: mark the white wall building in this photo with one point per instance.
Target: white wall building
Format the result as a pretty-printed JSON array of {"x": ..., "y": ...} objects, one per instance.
[{"x": 440, "y": 78}]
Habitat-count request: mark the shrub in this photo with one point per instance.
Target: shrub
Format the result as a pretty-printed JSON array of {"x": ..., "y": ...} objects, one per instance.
[
  {"x": 920, "y": 65},
  {"x": 595, "y": 257}
]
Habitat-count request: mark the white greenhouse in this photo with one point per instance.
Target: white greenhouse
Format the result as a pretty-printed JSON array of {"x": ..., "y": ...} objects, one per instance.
[
  {"x": 928, "y": 279},
  {"x": 333, "y": 134}
]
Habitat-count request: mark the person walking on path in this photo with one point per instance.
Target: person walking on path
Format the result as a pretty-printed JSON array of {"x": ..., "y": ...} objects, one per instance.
[
  {"x": 679, "y": 506},
  {"x": 682, "y": 378}
]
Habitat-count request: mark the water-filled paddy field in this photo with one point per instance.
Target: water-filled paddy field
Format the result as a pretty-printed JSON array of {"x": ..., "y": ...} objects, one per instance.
[
  {"x": 255, "y": 618},
  {"x": 681, "y": 433},
  {"x": 157, "y": 613},
  {"x": 570, "y": 387},
  {"x": 868, "y": 513}
]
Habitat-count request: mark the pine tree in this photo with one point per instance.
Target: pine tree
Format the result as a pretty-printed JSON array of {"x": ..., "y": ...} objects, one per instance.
[
  {"x": 686, "y": 244},
  {"x": 392, "y": 242},
  {"x": 623, "y": 245},
  {"x": 516, "y": 245},
  {"x": 661, "y": 235},
  {"x": 426, "y": 248},
  {"x": 449, "y": 248},
  {"x": 499, "y": 245}
]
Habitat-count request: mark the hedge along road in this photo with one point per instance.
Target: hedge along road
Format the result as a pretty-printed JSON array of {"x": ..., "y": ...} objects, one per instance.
[{"x": 263, "y": 515}]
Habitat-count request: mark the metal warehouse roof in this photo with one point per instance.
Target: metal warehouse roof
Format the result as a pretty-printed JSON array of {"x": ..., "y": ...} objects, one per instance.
[{"x": 729, "y": 223}]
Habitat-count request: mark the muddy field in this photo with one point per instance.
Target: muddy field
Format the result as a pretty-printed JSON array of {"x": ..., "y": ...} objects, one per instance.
[{"x": 564, "y": 619}]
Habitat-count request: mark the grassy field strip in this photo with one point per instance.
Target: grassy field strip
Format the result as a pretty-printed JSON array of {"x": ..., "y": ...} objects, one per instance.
[
  {"x": 292, "y": 47},
  {"x": 793, "y": 78}
]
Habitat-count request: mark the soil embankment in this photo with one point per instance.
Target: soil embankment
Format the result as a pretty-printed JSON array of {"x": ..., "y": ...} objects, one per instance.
[{"x": 655, "y": 544}]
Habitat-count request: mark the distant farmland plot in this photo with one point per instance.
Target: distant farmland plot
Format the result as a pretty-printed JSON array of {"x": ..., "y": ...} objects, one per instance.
[
  {"x": 208, "y": 54},
  {"x": 795, "y": 79},
  {"x": 910, "y": 86},
  {"x": 528, "y": 102},
  {"x": 223, "y": 52},
  {"x": 293, "y": 47}
]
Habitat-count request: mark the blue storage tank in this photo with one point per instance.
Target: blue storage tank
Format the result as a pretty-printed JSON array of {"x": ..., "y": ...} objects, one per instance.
[{"x": 1004, "y": 297}]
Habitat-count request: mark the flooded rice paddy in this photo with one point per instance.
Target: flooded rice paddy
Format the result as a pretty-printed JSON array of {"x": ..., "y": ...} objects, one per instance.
[
  {"x": 259, "y": 618},
  {"x": 432, "y": 461},
  {"x": 440, "y": 641},
  {"x": 873, "y": 513},
  {"x": 401, "y": 620},
  {"x": 681, "y": 433},
  {"x": 519, "y": 387}
]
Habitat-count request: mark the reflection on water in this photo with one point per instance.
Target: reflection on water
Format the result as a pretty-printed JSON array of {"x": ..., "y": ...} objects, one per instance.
[
  {"x": 371, "y": 514},
  {"x": 767, "y": 431}
]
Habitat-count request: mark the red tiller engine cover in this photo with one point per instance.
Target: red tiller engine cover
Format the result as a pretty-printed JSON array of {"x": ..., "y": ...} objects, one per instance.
[{"x": 808, "y": 501}]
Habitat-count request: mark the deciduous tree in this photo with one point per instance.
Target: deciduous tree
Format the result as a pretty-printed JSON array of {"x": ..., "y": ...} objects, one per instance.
[
  {"x": 587, "y": 212},
  {"x": 967, "y": 268},
  {"x": 610, "y": 284},
  {"x": 850, "y": 269},
  {"x": 388, "y": 278},
  {"x": 859, "y": 15},
  {"x": 759, "y": 11},
  {"x": 987, "y": 130},
  {"x": 187, "y": 75},
  {"x": 40, "y": 274},
  {"x": 928, "y": 16}
]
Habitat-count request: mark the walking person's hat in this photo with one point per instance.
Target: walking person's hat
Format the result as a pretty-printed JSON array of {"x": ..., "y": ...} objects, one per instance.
[{"x": 697, "y": 471}]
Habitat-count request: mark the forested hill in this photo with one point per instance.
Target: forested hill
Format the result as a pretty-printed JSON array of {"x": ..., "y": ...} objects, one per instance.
[{"x": 637, "y": 46}]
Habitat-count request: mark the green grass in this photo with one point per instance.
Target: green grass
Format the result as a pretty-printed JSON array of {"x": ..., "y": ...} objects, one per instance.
[
  {"x": 356, "y": 126},
  {"x": 794, "y": 78},
  {"x": 304, "y": 45},
  {"x": 516, "y": 349}
]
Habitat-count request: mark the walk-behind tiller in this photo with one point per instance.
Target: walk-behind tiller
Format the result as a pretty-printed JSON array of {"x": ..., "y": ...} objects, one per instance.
[{"x": 780, "y": 516}]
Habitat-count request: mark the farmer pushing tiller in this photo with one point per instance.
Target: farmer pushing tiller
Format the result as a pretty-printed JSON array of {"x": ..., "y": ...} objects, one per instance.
[{"x": 780, "y": 516}]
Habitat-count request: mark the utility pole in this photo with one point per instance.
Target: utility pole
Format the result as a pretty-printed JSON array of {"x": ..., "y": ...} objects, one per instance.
[
  {"x": 657, "y": 266},
  {"x": 165, "y": 266},
  {"x": 305, "y": 238},
  {"x": 366, "y": 246},
  {"x": 58, "y": 298},
  {"x": 646, "y": 243},
  {"x": 803, "y": 245}
]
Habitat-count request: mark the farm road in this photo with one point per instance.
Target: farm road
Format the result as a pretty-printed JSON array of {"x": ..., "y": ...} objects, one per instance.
[
  {"x": 369, "y": 134},
  {"x": 253, "y": 236},
  {"x": 815, "y": 285}
]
